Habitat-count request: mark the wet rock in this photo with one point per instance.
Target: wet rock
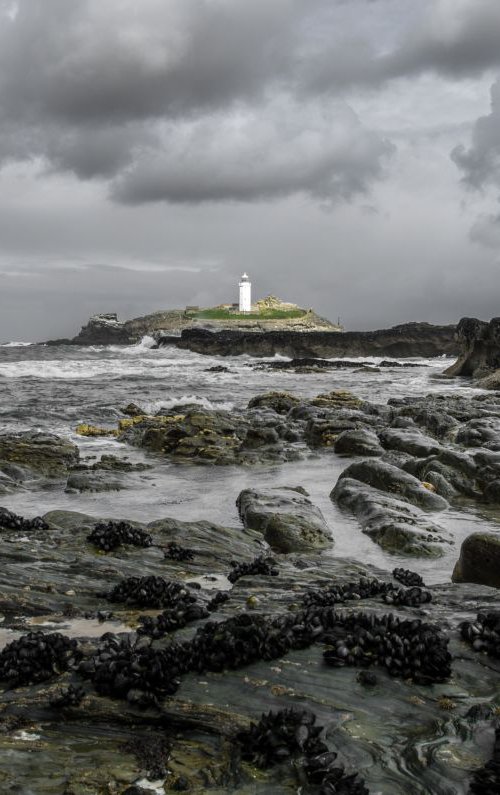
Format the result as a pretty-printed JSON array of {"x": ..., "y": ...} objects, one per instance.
[
  {"x": 287, "y": 519},
  {"x": 391, "y": 479},
  {"x": 43, "y": 453},
  {"x": 70, "y": 696},
  {"x": 393, "y": 524},
  {"x": 486, "y": 780},
  {"x": 112, "y": 463},
  {"x": 152, "y": 753},
  {"x": 133, "y": 410},
  {"x": 95, "y": 481},
  {"x": 93, "y": 431},
  {"x": 218, "y": 368},
  {"x": 479, "y": 560},
  {"x": 19, "y": 474},
  {"x": 480, "y": 432},
  {"x": 409, "y": 441},
  {"x": 367, "y": 678},
  {"x": 361, "y": 441},
  {"x": 280, "y": 402}
]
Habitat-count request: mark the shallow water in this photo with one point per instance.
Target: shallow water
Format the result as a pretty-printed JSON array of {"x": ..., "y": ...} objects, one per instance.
[{"x": 54, "y": 389}]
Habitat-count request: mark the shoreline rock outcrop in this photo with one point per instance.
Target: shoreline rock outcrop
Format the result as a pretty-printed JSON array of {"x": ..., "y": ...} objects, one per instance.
[
  {"x": 479, "y": 560},
  {"x": 480, "y": 352}
]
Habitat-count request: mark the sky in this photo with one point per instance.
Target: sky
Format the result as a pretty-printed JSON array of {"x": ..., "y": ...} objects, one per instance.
[{"x": 345, "y": 153}]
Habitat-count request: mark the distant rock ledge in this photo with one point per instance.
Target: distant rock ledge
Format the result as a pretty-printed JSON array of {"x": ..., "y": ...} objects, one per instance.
[
  {"x": 407, "y": 340},
  {"x": 308, "y": 335}
]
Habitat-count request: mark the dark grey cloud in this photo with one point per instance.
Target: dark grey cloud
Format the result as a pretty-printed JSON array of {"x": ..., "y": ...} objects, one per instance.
[
  {"x": 486, "y": 231},
  {"x": 266, "y": 153},
  {"x": 480, "y": 166},
  {"x": 209, "y": 100},
  {"x": 152, "y": 151},
  {"x": 481, "y": 162}
]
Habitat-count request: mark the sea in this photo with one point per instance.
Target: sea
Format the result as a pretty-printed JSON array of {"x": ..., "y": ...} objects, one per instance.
[{"x": 55, "y": 388}]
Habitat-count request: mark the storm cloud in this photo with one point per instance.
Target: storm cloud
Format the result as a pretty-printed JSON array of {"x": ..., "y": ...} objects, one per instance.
[{"x": 161, "y": 136}]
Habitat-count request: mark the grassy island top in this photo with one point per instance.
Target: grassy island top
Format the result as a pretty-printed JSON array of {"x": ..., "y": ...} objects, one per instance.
[{"x": 218, "y": 313}]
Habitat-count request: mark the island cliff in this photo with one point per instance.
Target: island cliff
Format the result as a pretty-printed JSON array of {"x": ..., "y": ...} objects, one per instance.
[{"x": 409, "y": 339}]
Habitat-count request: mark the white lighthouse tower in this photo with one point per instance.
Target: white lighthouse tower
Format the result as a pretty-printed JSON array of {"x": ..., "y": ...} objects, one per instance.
[{"x": 245, "y": 294}]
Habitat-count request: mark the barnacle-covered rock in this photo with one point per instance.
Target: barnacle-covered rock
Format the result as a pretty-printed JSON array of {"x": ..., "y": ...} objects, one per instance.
[
  {"x": 133, "y": 670},
  {"x": 280, "y": 735},
  {"x": 483, "y": 634},
  {"x": 109, "y": 536},
  {"x": 366, "y": 589},
  {"x": 36, "y": 657},
  {"x": 260, "y": 565},
  {"x": 184, "y": 613},
  {"x": 174, "y": 551},
  {"x": 408, "y": 649},
  {"x": 11, "y": 521},
  {"x": 149, "y": 592},
  {"x": 220, "y": 598},
  {"x": 407, "y": 577},
  {"x": 70, "y": 696}
]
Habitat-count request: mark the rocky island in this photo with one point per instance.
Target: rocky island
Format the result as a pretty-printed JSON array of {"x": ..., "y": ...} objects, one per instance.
[{"x": 295, "y": 333}]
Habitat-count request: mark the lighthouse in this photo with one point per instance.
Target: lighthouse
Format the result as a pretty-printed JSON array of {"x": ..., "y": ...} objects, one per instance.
[{"x": 245, "y": 294}]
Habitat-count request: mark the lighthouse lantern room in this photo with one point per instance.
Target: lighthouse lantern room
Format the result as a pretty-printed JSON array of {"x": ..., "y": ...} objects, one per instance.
[{"x": 245, "y": 294}]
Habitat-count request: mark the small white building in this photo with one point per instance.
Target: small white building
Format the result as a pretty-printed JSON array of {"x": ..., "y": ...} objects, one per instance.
[{"x": 245, "y": 294}]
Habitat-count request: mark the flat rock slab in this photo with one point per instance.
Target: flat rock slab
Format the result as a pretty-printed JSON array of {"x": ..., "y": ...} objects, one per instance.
[
  {"x": 286, "y": 517},
  {"x": 479, "y": 560},
  {"x": 40, "y": 452},
  {"x": 394, "y": 525},
  {"x": 96, "y": 481}
]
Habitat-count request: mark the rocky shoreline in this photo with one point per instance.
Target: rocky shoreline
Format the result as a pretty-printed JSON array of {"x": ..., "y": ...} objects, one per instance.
[{"x": 151, "y": 651}]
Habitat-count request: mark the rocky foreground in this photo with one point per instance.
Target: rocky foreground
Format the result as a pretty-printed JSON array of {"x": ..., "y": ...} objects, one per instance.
[{"x": 138, "y": 653}]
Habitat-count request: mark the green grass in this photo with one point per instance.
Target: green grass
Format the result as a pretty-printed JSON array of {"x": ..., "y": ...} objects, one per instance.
[{"x": 268, "y": 314}]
